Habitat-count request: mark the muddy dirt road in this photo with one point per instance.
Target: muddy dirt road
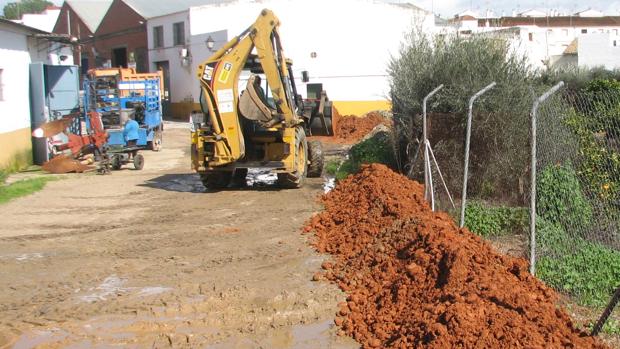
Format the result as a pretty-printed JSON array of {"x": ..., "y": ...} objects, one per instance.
[{"x": 147, "y": 259}]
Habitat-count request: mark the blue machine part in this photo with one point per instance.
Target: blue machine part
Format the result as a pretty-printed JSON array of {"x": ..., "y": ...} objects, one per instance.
[{"x": 126, "y": 95}]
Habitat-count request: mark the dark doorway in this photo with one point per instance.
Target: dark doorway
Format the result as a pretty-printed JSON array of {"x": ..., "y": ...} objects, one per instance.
[
  {"x": 119, "y": 57},
  {"x": 164, "y": 66}
]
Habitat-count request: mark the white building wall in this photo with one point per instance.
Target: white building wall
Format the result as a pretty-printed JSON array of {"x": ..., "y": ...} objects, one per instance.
[
  {"x": 14, "y": 62},
  {"x": 546, "y": 46},
  {"x": 599, "y": 50},
  {"x": 180, "y": 69},
  {"x": 353, "y": 41}
]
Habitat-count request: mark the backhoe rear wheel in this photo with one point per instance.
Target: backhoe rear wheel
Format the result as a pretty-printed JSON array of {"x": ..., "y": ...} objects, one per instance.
[
  {"x": 296, "y": 179},
  {"x": 216, "y": 180},
  {"x": 315, "y": 158}
]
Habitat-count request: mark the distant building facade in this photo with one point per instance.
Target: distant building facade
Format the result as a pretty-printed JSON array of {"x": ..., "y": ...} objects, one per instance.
[
  {"x": 551, "y": 41},
  {"x": 347, "y": 54}
]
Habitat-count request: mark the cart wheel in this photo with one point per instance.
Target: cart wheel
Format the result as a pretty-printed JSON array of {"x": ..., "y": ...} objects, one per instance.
[
  {"x": 138, "y": 161},
  {"x": 116, "y": 162}
]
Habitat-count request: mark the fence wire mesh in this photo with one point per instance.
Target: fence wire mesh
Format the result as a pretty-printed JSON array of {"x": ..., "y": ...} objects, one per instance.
[
  {"x": 578, "y": 194},
  {"x": 578, "y": 182}
]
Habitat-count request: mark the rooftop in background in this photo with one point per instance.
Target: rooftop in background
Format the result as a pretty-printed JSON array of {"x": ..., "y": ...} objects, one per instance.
[
  {"x": 157, "y": 8},
  {"x": 90, "y": 11},
  {"x": 43, "y": 21},
  {"x": 21, "y": 27},
  {"x": 557, "y": 21},
  {"x": 531, "y": 13},
  {"x": 154, "y": 8}
]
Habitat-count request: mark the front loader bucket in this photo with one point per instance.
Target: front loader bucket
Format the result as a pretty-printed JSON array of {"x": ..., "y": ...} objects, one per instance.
[{"x": 323, "y": 123}]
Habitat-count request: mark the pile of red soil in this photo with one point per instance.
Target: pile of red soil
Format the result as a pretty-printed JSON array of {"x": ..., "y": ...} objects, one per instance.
[
  {"x": 414, "y": 279},
  {"x": 350, "y": 129}
]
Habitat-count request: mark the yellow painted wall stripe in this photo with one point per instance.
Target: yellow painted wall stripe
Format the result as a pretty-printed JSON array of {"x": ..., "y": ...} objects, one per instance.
[
  {"x": 16, "y": 148},
  {"x": 182, "y": 110}
]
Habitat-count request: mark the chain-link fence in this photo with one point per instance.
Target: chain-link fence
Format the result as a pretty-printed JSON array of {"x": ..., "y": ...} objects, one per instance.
[
  {"x": 577, "y": 240},
  {"x": 576, "y": 245}
]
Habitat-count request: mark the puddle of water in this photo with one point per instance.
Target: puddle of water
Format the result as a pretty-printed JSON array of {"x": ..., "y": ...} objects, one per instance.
[
  {"x": 329, "y": 184},
  {"x": 259, "y": 176},
  {"x": 299, "y": 337},
  {"x": 27, "y": 256},
  {"x": 312, "y": 336},
  {"x": 112, "y": 285},
  {"x": 153, "y": 291},
  {"x": 184, "y": 184},
  {"x": 37, "y": 338}
]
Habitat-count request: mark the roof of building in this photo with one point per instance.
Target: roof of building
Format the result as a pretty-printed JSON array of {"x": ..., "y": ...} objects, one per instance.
[
  {"x": 157, "y": 8},
  {"x": 589, "y": 13},
  {"x": 548, "y": 22},
  {"x": 532, "y": 13},
  {"x": 20, "y": 26},
  {"x": 153, "y": 8},
  {"x": 91, "y": 12},
  {"x": 44, "y": 21}
]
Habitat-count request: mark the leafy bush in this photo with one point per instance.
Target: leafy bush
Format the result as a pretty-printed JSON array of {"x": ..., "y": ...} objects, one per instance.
[
  {"x": 491, "y": 221},
  {"x": 500, "y": 129},
  {"x": 376, "y": 149},
  {"x": 560, "y": 198}
]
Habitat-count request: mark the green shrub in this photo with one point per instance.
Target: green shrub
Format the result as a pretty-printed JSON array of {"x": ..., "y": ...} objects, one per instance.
[
  {"x": 376, "y": 149},
  {"x": 590, "y": 272},
  {"x": 500, "y": 131},
  {"x": 587, "y": 270},
  {"x": 560, "y": 198},
  {"x": 331, "y": 167},
  {"x": 491, "y": 221}
]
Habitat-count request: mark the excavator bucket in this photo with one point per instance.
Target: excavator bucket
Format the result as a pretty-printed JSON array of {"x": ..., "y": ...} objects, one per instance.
[{"x": 321, "y": 111}]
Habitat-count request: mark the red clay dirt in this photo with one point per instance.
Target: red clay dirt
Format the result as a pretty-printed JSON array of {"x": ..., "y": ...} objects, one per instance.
[
  {"x": 414, "y": 279},
  {"x": 350, "y": 129}
]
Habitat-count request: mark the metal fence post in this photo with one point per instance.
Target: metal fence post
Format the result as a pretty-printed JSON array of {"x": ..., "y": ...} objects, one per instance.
[
  {"x": 427, "y": 189},
  {"x": 534, "y": 115},
  {"x": 470, "y": 116}
]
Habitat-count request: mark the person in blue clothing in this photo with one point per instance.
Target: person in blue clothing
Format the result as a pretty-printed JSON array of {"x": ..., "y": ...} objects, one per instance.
[{"x": 130, "y": 131}]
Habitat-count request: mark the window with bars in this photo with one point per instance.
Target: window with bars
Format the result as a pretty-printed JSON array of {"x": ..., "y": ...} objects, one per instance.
[
  {"x": 178, "y": 33},
  {"x": 158, "y": 36}
]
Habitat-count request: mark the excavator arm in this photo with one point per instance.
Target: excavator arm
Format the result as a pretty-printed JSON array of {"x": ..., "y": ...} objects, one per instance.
[{"x": 219, "y": 80}]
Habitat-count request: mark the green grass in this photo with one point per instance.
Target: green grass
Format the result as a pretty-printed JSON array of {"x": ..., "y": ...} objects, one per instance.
[{"x": 22, "y": 188}]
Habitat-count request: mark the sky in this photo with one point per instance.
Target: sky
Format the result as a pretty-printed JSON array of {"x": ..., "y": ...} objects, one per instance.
[{"x": 448, "y": 8}]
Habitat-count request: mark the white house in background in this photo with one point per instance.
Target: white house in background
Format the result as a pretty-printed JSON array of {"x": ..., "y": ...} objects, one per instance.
[
  {"x": 44, "y": 21},
  {"x": 348, "y": 54},
  {"x": 19, "y": 46},
  {"x": 547, "y": 41},
  {"x": 532, "y": 13},
  {"x": 589, "y": 13},
  {"x": 599, "y": 50}
]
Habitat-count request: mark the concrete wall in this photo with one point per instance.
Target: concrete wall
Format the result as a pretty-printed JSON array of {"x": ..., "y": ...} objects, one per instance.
[
  {"x": 352, "y": 39},
  {"x": 599, "y": 50},
  {"x": 15, "y": 103}
]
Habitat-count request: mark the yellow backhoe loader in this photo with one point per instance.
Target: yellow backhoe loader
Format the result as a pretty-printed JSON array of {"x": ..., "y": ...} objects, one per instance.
[{"x": 237, "y": 130}]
